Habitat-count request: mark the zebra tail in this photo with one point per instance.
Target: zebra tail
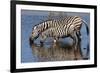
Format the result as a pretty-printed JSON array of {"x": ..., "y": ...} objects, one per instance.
[{"x": 86, "y": 26}]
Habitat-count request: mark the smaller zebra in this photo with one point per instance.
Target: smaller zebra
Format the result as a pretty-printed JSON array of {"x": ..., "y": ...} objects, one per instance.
[
  {"x": 54, "y": 32},
  {"x": 59, "y": 32}
]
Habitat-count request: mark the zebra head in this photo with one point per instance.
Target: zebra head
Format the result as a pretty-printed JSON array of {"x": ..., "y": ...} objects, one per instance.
[{"x": 34, "y": 35}]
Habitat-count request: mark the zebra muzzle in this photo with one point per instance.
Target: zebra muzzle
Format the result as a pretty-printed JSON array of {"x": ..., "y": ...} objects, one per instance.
[{"x": 31, "y": 41}]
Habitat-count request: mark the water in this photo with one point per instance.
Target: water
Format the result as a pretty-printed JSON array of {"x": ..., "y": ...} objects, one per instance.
[{"x": 50, "y": 52}]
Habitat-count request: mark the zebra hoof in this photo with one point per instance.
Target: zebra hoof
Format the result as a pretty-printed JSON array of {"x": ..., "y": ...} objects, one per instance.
[
  {"x": 84, "y": 48},
  {"x": 85, "y": 58},
  {"x": 75, "y": 59}
]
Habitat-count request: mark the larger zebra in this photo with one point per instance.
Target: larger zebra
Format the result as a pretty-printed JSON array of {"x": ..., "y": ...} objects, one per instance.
[
  {"x": 71, "y": 25},
  {"x": 60, "y": 32},
  {"x": 67, "y": 27}
]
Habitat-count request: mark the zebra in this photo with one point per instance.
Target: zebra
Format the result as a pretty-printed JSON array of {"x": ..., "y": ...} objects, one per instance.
[
  {"x": 60, "y": 32},
  {"x": 54, "y": 32},
  {"x": 70, "y": 23},
  {"x": 67, "y": 27}
]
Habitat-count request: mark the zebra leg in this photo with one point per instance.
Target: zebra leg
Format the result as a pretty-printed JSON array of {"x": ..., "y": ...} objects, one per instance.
[
  {"x": 79, "y": 43},
  {"x": 42, "y": 39},
  {"x": 75, "y": 44},
  {"x": 55, "y": 42},
  {"x": 41, "y": 43},
  {"x": 55, "y": 39},
  {"x": 79, "y": 35}
]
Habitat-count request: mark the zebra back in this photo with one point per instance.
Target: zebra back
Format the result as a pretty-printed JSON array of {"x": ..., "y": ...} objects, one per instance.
[{"x": 69, "y": 23}]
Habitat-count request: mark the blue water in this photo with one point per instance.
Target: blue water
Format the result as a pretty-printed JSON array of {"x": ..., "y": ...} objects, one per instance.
[{"x": 30, "y": 18}]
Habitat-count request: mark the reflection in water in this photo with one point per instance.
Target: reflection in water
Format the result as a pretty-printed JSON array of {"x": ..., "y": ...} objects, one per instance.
[{"x": 55, "y": 52}]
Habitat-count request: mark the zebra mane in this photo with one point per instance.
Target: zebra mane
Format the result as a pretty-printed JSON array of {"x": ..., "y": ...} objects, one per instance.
[
  {"x": 41, "y": 22},
  {"x": 36, "y": 25}
]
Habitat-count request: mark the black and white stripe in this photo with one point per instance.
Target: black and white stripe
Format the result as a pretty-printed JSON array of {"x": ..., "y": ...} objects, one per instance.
[
  {"x": 66, "y": 22},
  {"x": 57, "y": 28},
  {"x": 70, "y": 24},
  {"x": 59, "y": 32}
]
